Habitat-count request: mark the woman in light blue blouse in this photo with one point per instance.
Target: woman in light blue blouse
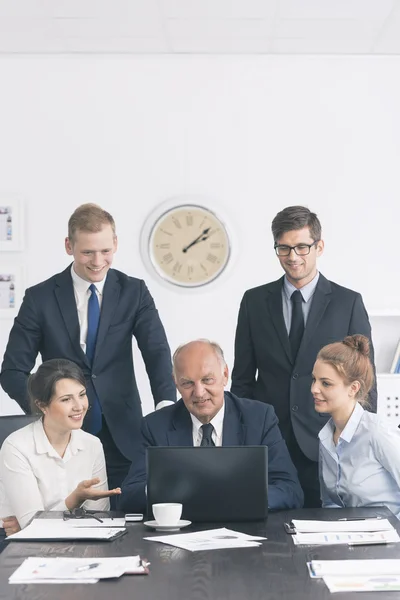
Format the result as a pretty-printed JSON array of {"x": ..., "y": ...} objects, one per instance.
[{"x": 359, "y": 460}]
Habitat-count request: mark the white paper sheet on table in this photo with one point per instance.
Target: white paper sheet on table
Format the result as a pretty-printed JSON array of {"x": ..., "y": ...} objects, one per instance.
[
  {"x": 383, "y": 583},
  {"x": 61, "y": 581},
  {"x": 75, "y": 570},
  {"x": 318, "y": 539},
  {"x": 211, "y": 539},
  {"x": 367, "y": 567},
  {"x": 49, "y": 524},
  {"x": 303, "y": 526},
  {"x": 37, "y": 531}
]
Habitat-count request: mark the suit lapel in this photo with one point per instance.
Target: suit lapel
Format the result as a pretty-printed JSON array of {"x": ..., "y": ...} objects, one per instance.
[
  {"x": 111, "y": 292},
  {"x": 234, "y": 432},
  {"x": 319, "y": 303},
  {"x": 65, "y": 297},
  {"x": 181, "y": 433},
  {"x": 274, "y": 301}
]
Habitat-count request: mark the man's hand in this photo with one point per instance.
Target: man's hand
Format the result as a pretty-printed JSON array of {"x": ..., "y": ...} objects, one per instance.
[
  {"x": 11, "y": 525},
  {"x": 85, "y": 491}
]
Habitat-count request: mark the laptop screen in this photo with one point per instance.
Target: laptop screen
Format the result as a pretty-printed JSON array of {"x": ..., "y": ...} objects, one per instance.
[{"x": 227, "y": 483}]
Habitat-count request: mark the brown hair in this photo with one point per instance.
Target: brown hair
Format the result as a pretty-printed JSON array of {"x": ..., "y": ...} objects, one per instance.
[
  {"x": 42, "y": 384},
  {"x": 351, "y": 360},
  {"x": 296, "y": 217},
  {"x": 89, "y": 217}
]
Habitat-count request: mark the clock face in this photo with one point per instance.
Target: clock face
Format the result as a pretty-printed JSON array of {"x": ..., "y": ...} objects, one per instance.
[{"x": 189, "y": 246}]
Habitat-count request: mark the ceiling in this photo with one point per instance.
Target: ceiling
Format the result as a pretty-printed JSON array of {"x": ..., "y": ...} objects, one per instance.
[{"x": 200, "y": 26}]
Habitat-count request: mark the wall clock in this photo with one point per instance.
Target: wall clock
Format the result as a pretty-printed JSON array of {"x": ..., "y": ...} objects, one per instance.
[{"x": 187, "y": 244}]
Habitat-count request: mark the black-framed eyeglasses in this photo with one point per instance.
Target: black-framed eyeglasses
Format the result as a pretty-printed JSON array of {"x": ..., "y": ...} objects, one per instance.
[
  {"x": 79, "y": 513},
  {"x": 300, "y": 249}
]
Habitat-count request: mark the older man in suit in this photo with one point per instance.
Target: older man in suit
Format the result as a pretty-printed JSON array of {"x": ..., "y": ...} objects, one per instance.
[
  {"x": 281, "y": 327},
  {"x": 206, "y": 415},
  {"x": 88, "y": 314}
]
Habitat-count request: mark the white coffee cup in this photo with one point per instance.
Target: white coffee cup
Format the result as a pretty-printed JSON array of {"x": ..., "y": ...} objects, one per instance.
[{"x": 167, "y": 513}]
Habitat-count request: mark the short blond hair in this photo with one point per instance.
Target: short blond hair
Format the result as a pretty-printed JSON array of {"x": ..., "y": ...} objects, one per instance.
[{"x": 89, "y": 217}]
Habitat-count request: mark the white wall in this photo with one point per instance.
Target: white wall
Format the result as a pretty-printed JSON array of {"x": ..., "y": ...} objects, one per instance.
[{"x": 255, "y": 133}]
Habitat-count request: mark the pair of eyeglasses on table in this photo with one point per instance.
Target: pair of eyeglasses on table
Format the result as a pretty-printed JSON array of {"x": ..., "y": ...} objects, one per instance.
[{"x": 80, "y": 513}]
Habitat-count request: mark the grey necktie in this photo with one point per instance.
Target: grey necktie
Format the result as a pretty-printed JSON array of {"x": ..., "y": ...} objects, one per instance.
[{"x": 207, "y": 431}]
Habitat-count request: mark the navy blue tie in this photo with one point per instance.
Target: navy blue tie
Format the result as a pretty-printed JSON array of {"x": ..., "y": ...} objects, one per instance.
[{"x": 93, "y": 417}]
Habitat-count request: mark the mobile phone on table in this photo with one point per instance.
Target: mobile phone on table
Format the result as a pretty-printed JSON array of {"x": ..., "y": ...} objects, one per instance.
[{"x": 131, "y": 517}]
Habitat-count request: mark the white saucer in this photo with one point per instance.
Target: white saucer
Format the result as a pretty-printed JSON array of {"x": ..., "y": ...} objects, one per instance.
[{"x": 157, "y": 527}]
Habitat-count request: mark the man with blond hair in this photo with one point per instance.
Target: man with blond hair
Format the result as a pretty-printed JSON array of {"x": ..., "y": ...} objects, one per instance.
[{"x": 88, "y": 314}]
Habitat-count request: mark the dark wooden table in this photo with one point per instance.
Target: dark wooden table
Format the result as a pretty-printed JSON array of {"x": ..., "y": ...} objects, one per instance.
[{"x": 274, "y": 571}]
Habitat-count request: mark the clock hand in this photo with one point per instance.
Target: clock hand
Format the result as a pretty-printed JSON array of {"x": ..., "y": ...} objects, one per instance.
[{"x": 201, "y": 238}]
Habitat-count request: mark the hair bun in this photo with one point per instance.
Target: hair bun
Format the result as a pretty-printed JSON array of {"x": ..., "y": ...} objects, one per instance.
[{"x": 358, "y": 342}]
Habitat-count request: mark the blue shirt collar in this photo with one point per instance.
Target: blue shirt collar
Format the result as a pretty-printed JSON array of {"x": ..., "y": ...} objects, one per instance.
[{"x": 350, "y": 429}]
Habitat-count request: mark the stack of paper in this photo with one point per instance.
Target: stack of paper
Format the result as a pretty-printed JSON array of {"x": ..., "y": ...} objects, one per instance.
[
  {"x": 368, "y": 531},
  {"x": 87, "y": 522},
  {"x": 74, "y": 529},
  {"x": 357, "y": 575},
  {"x": 49, "y": 524},
  {"x": 212, "y": 539},
  {"x": 76, "y": 570}
]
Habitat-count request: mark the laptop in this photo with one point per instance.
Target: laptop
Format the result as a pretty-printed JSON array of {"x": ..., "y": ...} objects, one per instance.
[{"x": 226, "y": 483}]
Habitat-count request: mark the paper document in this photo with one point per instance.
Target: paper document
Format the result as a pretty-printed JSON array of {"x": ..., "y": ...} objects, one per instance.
[
  {"x": 380, "y": 537},
  {"x": 62, "y": 531},
  {"x": 363, "y": 584},
  {"x": 330, "y": 526},
  {"x": 212, "y": 539},
  {"x": 106, "y": 522},
  {"x": 368, "y": 567},
  {"x": 76, "y": 570}
]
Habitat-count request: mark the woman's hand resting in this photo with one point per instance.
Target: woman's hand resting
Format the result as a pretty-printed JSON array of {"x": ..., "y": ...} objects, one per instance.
[{"x": 11, "y": 525}]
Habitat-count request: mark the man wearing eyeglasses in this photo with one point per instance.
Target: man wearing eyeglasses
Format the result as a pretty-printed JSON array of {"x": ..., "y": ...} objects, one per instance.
[{"x": 281, "y": 327}]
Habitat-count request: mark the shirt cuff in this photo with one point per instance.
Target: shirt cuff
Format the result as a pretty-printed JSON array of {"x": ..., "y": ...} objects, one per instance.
[{"x": 163, "y": 404}]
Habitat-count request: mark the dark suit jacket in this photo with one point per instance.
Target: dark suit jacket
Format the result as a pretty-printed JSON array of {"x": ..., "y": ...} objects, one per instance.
[
  {"x": 47, "y": 322},
  {"x": 262, "y": 344},
  {"x": 246, "y": 423}
]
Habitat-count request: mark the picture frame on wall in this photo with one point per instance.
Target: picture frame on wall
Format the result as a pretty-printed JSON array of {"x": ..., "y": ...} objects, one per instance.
[
  {"x": 395, "y": 368},
  {"x": 11, "y": 224},
  {"x": 11, "y": 290}
]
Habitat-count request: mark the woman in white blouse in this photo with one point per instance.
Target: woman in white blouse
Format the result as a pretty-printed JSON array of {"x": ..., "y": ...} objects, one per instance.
[
  {"x": 52, "y": 464},
  {"x": 359, "y": 459}
]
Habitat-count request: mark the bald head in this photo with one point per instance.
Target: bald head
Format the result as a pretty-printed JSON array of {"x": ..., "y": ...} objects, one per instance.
[
  {"x": 200, "y": 374},
  {"x": 193, "y": 350}
]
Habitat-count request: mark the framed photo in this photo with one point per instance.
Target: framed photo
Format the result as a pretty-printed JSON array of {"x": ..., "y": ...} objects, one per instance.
[
  {"x": 395, "y": 368},
  {"x": 11, "y": 290},
  {"x": 11, "y": 224}
]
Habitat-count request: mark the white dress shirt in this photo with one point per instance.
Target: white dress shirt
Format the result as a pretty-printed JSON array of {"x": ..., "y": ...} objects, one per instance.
[
  {"x": 217, "y": 422},
  {"x": 82, "y": 295},
  {"x": 363, "y": 469},
  {"x": 33, "y": 476}
]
